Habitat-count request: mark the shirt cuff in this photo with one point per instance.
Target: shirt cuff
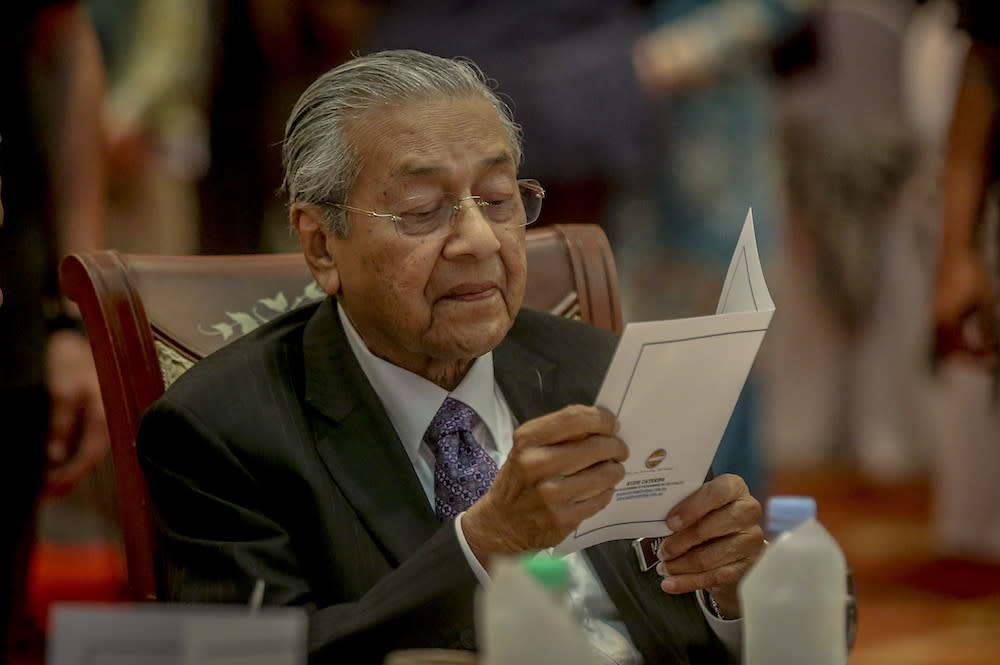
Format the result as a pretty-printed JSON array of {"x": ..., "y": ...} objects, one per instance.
[
  {"x": 729, "y": 631},
  {"x": 477, "y": 568}
]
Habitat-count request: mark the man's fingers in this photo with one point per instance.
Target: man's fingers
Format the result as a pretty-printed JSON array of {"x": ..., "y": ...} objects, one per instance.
[
  {"x": 563, "y": 468},
  {"x": 715, "y": 554},
  {"x": 711, "y": 496},
  {"x": 569, "y": 423},
  {"x": 570, "y": 457},
  {"x": 736, "y": 516},
  {"x": 572, "y": 514},
  {"x": 583, "y": 485},
  {"x": 723, "y": 576}
]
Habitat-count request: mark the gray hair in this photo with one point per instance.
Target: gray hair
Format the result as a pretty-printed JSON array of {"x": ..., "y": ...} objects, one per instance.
[{"x": 321, "y": 163}]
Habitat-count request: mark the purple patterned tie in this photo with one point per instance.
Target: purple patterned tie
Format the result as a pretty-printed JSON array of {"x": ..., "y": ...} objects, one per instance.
[{"x": 462, "y": 469}]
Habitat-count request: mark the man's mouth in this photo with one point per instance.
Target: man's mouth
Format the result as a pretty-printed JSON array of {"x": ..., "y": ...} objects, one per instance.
[{"x": 471, "y": 291}]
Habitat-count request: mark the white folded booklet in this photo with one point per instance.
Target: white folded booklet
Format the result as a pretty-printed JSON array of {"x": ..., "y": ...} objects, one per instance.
[{"x": 673, "y": 385}]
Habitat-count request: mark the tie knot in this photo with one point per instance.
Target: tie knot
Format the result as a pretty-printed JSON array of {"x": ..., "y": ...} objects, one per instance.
[{"x": 452, "y": 417}]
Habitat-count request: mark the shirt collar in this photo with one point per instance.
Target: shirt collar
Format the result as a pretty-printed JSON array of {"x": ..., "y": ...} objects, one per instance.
[{"x": 411, "y": 400}]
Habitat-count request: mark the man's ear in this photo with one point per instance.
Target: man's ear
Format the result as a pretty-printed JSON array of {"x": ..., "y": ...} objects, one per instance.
[{"x": 314, "y": 236}]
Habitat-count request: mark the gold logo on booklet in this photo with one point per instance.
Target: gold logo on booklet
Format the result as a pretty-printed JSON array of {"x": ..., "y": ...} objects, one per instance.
[{"x": 655, "y": 458}]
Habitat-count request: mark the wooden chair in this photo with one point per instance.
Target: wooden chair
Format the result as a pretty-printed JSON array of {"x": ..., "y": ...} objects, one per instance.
[{"x": 149, "y": 318}]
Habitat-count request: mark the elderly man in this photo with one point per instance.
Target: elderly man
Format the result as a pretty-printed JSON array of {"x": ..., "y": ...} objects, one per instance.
[{"x": 372, "y": 456}]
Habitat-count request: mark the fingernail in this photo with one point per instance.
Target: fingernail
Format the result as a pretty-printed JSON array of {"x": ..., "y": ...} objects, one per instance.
[
  {"x": 661, "y": 569},
  {"x": 669, "y": 585},
  {"x": 674, "y": 523}
]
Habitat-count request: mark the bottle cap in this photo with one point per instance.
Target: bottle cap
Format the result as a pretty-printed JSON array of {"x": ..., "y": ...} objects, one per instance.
[
  {"x": 549, "y": 571},
  {"x": 784, "y": 513}
]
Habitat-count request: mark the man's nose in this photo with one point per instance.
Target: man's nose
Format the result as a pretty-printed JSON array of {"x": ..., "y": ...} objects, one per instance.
[{"x": 472, "y": 229}]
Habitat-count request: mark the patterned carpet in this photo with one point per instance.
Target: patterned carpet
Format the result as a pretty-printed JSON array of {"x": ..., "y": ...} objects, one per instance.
[{"x": 916, "y": 605}]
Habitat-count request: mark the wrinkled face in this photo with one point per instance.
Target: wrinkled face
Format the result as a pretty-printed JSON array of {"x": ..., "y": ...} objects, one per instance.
[{"x": 450, "y": 297}]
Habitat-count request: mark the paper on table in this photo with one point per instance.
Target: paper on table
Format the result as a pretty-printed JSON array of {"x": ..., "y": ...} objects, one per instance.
[
  {"x": 175, "y": 634},
  {"x": 261, "y": 638},
  {"x": 673, "y": 385}
]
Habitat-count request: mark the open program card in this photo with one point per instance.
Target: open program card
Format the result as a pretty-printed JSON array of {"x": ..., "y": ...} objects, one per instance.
[{"x": 673, "y": 385}]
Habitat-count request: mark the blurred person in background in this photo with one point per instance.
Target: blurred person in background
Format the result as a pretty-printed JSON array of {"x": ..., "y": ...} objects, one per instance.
[
  {"x": 964, "y": 298},
  {"x": 157, "y": 60},
  {"x": 848, "y": 382},
  {"x": 714, "y": 66},
  {"x": 263, "y": 55},
  {"x": 711, "y": 65},
  {"x": 51, "y": 165},
  {"x": 196, "y": 106}
]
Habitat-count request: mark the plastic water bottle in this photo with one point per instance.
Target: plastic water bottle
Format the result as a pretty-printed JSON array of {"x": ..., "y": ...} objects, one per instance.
[
  {"x": 794, "y": 598},
  {"x": 523, "y": 617},
  {"x": 787, "y": 512}
]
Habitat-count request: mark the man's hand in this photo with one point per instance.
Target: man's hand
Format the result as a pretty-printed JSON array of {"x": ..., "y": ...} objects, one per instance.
[
  {"x": 715, "y": 540},
  {"x": 563, "y": 469},
  {"x": 963, "y": 309},
  {"x": 78, "y": 433}
]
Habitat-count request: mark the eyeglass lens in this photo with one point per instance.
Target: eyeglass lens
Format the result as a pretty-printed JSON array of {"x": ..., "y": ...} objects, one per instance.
[{"x": 500, "y": 212}]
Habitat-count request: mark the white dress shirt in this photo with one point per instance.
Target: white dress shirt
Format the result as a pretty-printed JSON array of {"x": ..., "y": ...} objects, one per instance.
[{"x": 412, "y": 401}]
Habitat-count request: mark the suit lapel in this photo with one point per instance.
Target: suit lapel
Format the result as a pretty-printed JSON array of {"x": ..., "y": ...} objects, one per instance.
[
  {"x": 526, "y": 379},
  {"x": 354, "y": 435}
]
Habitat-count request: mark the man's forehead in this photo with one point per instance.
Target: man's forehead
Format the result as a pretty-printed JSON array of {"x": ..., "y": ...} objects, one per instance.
[
  {"x": 418, "y": 168},
  {"x": 409, "y": 115},
  {"x": 430, "y": 138}
]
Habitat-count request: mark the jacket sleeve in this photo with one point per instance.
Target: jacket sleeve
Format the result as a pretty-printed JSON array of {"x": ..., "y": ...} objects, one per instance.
[{"x": 221, "y": 531}]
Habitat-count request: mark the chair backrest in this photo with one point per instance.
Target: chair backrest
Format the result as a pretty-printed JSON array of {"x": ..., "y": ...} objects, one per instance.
[{"x": 149, "y": 318}]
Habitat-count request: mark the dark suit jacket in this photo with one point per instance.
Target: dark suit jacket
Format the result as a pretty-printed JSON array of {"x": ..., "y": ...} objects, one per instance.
[{"x": 274, "y": 459}]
